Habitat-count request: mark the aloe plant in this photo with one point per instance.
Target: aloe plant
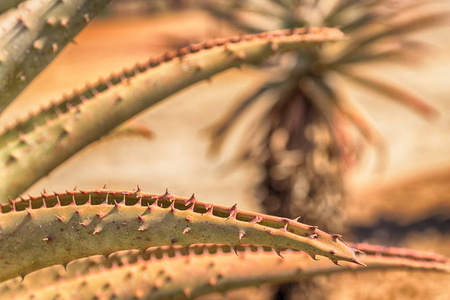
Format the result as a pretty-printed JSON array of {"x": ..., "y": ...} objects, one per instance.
[
  {"x": 301, "y": 140},
  {"x": 169, "y": 272},
  {"x": 50, "y": 230},
  {"x": 54, "y": 229},
  {"x": 301, "y": 144}
]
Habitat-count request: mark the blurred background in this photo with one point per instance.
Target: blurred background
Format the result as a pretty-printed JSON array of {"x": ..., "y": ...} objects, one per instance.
[{"x": 400, "y": 198}]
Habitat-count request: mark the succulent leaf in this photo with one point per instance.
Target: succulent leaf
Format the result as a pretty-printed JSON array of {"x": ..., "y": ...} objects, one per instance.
[
  {"x": 171, "y": 272},
  {"x": 56, "y": 229},
  {"x": 84, "y": 117},
  {"x": 33, "y": 34},
  {"x": 8, "y": 4}
]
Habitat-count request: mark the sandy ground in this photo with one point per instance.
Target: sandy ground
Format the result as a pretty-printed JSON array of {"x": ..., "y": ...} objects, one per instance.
[{"x": 177, "y": 157}]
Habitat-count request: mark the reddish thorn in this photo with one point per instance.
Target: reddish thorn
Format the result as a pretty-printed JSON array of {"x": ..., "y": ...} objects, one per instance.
[
  {"x": 172, "y": 207},
  {"x": 313, "y": 256},
  {"x": 336, "y": 262},
  {"x": 29, "y": 212},
  {"x": 241, "y": 235},
  {"x": 209, "y": 209},
  {"x": 235, "y": 250},
  {"x": 213, "y": 281},
  {"x": 173, "y": 241},
  {"x": 256, "y": 220},
  {"x": 278, "y": 252},
  {"x": 273, "y": 46},
  {"x": 140, "y": 218},
  {"x": 314, "y": 236},
  {"x": 332, "y": 252},
  {"x": 335, "y": 237},
  {"x": 77, "y": 211},
  {"x": 357, "y": 251},
  {"x": 233, "y": 211},
  {"x": 75, "y": 189},
  {"x": 138, "y": 189},
  {"x": 188, "y": 219},
  {"x": 96, "y": 231},
  {"x": 358, "y": 262},
  {"x": 286, "y": 223},
  {"x": 104, "y": 186},
  {"x": 186, "y": 230},
  {"x": 99, "y": 215},
  {"x": 142, "y": 228},
  {"x": 60, "y": 219},
  {"x": 313, "y": 228},
  {"x": 191, "y": 200},
  {"x": 50, "y": 21}
]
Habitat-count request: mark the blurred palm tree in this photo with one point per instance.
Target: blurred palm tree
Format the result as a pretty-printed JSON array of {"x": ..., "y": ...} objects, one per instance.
[{"x": 302, "y": 143}]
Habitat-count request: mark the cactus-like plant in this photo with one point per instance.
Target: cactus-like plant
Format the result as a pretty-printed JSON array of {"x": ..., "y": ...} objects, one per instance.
[
  {"x": 123, "y": 95},
  {"x": 56, "y": 229},
  {"x": 301, "y": 142},
  {"x": 169, "y": 272},
  {"x": 53, "y": 229}
]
